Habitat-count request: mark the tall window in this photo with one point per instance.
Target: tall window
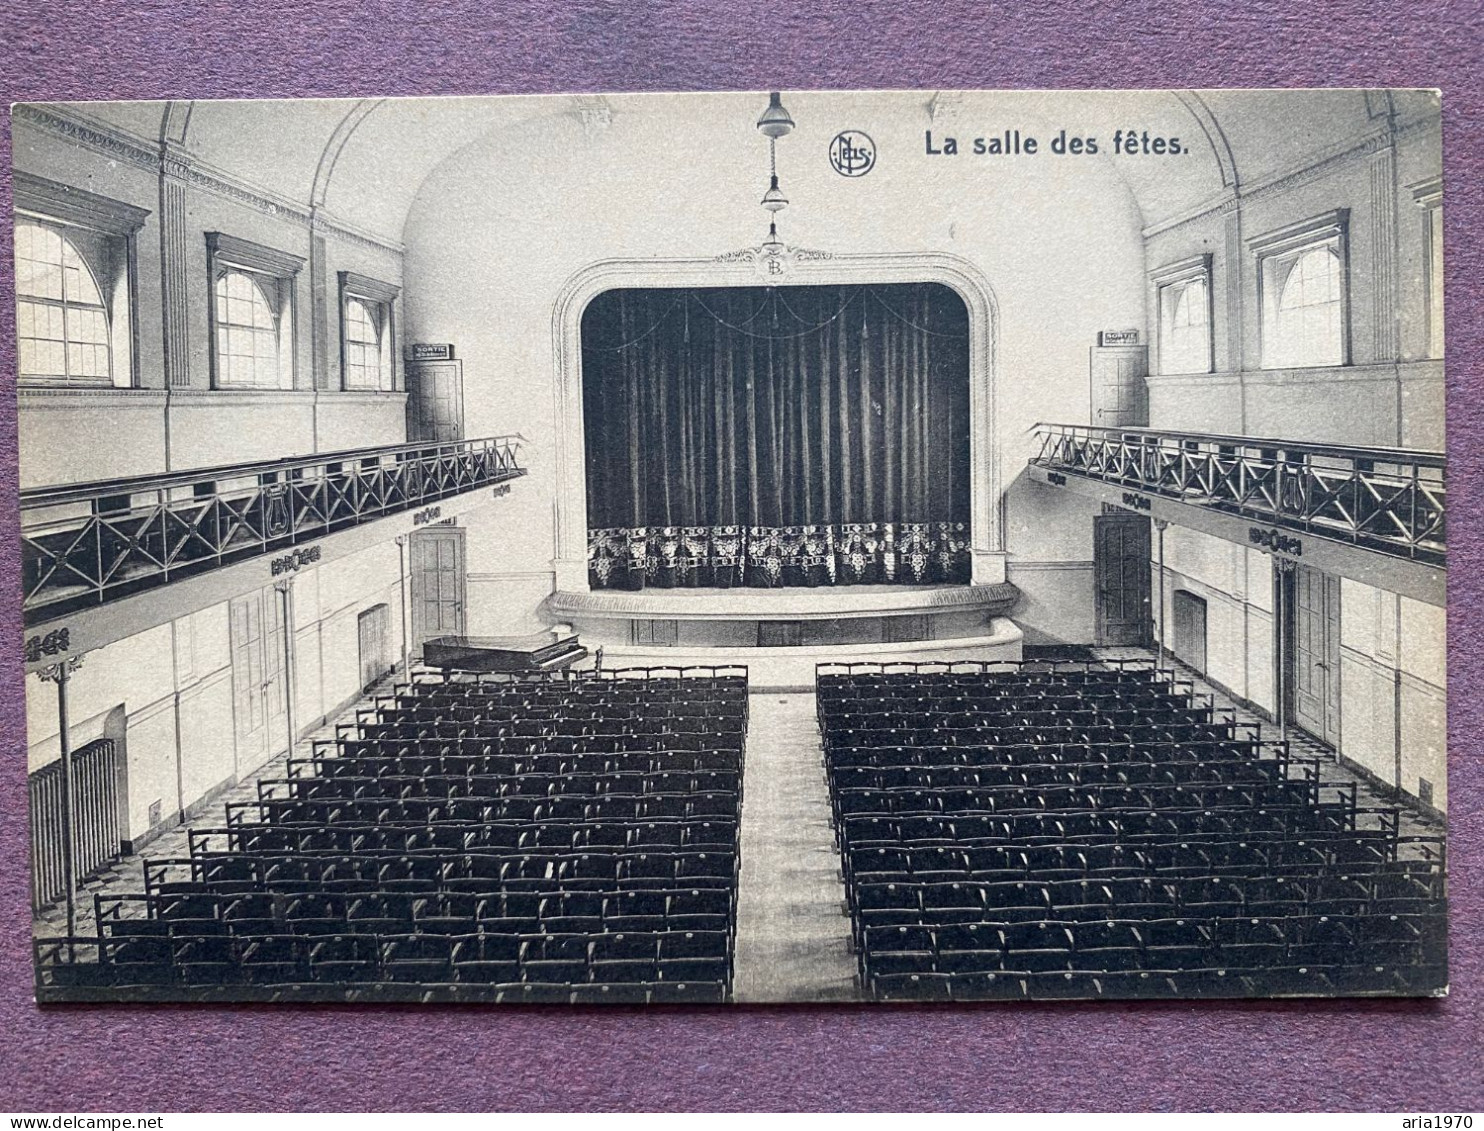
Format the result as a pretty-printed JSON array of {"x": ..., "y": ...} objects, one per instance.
[
  {"x": 61, "y": 322},
  {"x": 247, "y": 334},
  {"x": 1304, "y": 302},
  {"x": 367, "y": 346},
  {"x": 1435, "y": 282},
  {"x": 1429, "y": 197},
  {"x": 1184, "y": 291},
  {"x": 252, "y": 314},
  {"x": 72, "y": 280}
]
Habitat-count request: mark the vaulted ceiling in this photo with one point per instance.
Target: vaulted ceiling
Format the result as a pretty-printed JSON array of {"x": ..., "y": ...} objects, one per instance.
[{"x": 364, "y": 161}]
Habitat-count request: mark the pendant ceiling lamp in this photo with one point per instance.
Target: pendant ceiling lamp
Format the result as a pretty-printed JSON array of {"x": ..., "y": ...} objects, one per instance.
[{"x": 774, "y": 123}]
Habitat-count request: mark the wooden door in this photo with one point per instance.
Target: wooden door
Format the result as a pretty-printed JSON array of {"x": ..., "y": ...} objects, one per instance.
[
  {"x": 259, "y": 701},
  {"x": 1120, "y": 395},
  {"x": 1121, "y": 577},
  {"x": 372, "y": 632},
  {"x": 1316, "y": 653},
  {"x": 435, "y": 400},
  {"x": 1189, "y": 616},
  {"x": 437, "y": 584}
]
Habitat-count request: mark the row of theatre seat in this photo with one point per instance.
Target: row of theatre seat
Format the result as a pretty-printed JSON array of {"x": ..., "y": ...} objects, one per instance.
[
  {"x": 1084, "y": 830},
  {"x": 565, "y": 837}
]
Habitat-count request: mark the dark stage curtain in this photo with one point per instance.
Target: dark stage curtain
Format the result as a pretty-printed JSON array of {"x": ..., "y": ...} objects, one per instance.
[{"x": 770, "y": 436}]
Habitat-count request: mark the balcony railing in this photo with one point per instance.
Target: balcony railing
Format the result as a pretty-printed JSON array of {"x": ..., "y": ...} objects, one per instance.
[
  {"x": 1386, "y": 499},
  {"x": 89, "y": 543}
]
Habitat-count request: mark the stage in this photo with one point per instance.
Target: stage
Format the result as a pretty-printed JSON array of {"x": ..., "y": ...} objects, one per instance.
[{"x": 782, "y": 633}]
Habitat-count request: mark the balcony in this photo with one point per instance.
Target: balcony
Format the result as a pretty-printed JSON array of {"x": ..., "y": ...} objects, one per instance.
[
  {"x": 1386, "y": 500},
  {"x": 92, "y": 543}
]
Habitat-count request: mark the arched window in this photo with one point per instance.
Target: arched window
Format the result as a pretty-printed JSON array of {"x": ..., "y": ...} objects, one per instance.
[
  {"x": 61, "y": 316},
  {"x": 1310, "y": 309},
  {"x": 247, "y": 333},
  {"x": 1185, "y": 344},
  {"x": 367, "y": 365},
  {"x": 367, "y": 333},
  {"x": 252, "y": 313},
  {"x": 1302, "y": 277}
]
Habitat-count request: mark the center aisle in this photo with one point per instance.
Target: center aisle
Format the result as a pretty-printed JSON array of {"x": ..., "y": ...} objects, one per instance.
[{"x": 793, "y": 935}]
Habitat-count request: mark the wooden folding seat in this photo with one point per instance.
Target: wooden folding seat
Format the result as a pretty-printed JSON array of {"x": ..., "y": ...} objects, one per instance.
[
  {"x": 534, "y": 993},
  {"x": 610, "y": 993},
  {"x": 687, "y": 993},
  {"x": 912, "y": 987}
]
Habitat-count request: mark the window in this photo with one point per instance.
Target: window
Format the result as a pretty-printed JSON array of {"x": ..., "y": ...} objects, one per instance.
[
  {"x": 61, "y": 322},
  {"x": 364, "y": 368},
  {"x": 1184, "y": 294},
  {"x": 247, "y": 339},
  {"x": 1309, "y": 322},
  {"x": 1429, "y": 196},
  {"x": 252, "y": 314},
  {"x": 367, "y": 341},
  {"x": 1304, "y": 309},
  {"x": 73, "y": 274}
]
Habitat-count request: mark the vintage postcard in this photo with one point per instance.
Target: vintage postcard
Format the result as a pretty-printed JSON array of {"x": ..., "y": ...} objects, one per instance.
[{"x": 748, "y": 547}]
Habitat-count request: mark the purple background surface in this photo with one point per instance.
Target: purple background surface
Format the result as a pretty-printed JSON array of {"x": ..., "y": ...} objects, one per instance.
[{"x": 1417, "y": 1056}]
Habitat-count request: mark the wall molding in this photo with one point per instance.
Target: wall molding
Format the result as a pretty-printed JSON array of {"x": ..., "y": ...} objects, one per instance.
[
  {"x": 168, "y": 157},
  {"x": 1191, "y": 584},
  {"x": 1329, "y": 160},
  {"x": 347, "y": 232},
  {"x": 1385, "y": 316},
  {"x": 370, "y": 397},
  {"x": 192, "y": 688},
  {"x": 1417, "y": 369},
  {"x": 1423, "y": 686},
  {"x": 91, "y": 134},
  {"x": 40, "y": 396},
  {"x": 71, "y": 205},
  {"x": 197, "y": 397},
  {"x": 152, "y": 710},
  {"x": 1047, "y": 566}
]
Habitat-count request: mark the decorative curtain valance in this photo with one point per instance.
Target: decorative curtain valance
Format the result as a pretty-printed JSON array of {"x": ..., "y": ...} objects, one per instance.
[{"x": 769, "y": 557}]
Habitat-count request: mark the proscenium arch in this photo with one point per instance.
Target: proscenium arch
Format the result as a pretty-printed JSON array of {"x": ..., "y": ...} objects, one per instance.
[{"x": 986, "y": 512}]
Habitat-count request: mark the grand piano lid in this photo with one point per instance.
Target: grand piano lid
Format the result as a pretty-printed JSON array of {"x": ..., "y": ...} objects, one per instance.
[{"x": 531, "y": 643}]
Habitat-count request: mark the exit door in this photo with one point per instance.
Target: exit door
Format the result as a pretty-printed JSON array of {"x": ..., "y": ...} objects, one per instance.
[
  {"x": 1120, "y": 566},
  {"x": 1316, "y": 653},
  {"x": 1120, "y": 394},
  {"x": 259, "y": 702},
  {"x": 438, "y": 585},
  {"x": 435, "y": 400}
]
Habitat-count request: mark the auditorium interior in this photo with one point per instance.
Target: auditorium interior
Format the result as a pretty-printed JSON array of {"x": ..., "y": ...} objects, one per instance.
[{"x": 723, "y": 547}]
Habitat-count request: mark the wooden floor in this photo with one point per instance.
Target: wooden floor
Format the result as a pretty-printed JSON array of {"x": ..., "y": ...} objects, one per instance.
[{"x": 793, "y": 934}]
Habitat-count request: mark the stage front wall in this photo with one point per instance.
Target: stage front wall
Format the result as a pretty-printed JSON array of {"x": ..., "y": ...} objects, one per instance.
[{"x": 776, "y": 436}]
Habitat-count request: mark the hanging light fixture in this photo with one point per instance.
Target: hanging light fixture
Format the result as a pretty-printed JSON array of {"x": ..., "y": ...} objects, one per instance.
[
  {"x": 773, "y": 199},
  {"x": 772, "y": 245},
  {"x": 775, "y": 122}
]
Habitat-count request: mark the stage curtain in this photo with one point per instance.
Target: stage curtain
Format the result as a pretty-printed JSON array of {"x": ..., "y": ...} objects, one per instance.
[{"x": 775, "y": 430}]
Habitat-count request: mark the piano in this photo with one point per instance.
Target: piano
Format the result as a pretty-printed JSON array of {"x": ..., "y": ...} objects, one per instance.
[{"x": 540, "y": 652}]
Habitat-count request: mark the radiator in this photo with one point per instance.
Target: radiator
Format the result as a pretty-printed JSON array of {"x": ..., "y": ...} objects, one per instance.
[{"x": 95, "y": 785}]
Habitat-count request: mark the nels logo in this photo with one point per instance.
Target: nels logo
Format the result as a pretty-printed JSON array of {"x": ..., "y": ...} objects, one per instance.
[{"x": 853, "y": 153}]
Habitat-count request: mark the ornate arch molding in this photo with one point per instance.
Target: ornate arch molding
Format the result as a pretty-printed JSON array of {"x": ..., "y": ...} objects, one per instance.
[
  {"x": 1220, "y": 148},
  {"x": 335, "y": 145},
  {"x": 175, "y": 122},
  {"x": 749, "y": 268}
]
